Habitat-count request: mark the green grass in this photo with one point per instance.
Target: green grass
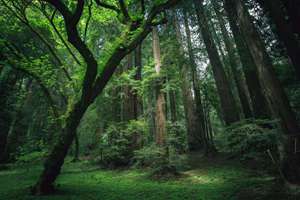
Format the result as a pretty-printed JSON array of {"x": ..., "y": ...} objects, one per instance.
[{"x": 80, "y": 181}]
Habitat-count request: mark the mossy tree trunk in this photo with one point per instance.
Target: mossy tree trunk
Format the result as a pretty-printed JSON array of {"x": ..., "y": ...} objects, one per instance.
[{"x": 93, "y": 85}]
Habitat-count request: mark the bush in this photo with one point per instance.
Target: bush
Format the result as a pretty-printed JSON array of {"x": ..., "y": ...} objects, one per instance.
[
  {"x": 163, "y": 162},
  {"x": 149, "y": 156},
  {"x": 251, "y": 139},
  {"x": 177, "y": 140},
  {"x": 31, "y": 157},
  {"x": 118, "y": 143},
  {"x": 32, "y": 151}
]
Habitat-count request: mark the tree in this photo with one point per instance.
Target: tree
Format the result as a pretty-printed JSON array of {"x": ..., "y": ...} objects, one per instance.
[
  {"x": 160, "y": 114},
  {"x": 192, "y": 121},
  {"x": 276, "y": 96},
  {"x": 285, "y": 32},
  {"x": 135, "y": 30},
  {"x": 258, "y": 100},
  {"x": 237, "y": 74},
  {"x": 228, "y": 104}
]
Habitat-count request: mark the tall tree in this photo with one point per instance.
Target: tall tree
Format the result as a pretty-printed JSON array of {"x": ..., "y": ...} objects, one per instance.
[
  {"x": 195, "y": 79},
  {"x": 135, "y": 31},
  {"x": 228, "y": 104},
  {"x": 277, "y": 98},
  {"x": 160, "y": 114},
  {"x": 237, "y": 73},
  {"x": 258, "y": 100},
  {"x": 192, "y": 121},
  {"x": 285, "y": 31},
  {"x": 138, "y": 105}
]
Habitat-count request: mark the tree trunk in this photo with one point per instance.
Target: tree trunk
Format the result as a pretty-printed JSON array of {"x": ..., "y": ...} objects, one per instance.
[
  {"x": 195, "y": 84},
  {"x": 56, "y": 157},
  {"x": 129, "y": 112},
  {"x": 138, "y": 105},
  {"x": 160, "y": 115},
  {"x": 258, "y": 100},
  {"x": 277, "y": 98},
  {"x": 285, "y": 31},
  {"x": 192, "y": 125},
  {"x": 237, "y": 74},
  {"x": 228, "y": 104}
]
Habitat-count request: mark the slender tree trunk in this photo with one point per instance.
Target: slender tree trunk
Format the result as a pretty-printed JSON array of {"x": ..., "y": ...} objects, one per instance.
[
  {"x": 228, "y": 104},
  {"x": 277, "y": 98},
  {"x": 129, "y": 112},
  {"x": 285, "y": 31},
  {"x": 237, "y": 74},
  {"x": 195, "y": 82},
  {"x": 192, "y": 125},
  {"x": 138, "y": 105},
  {"x": 160, "y": 115}
]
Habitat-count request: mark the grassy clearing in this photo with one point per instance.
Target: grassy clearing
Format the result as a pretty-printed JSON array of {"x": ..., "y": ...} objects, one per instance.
[{"x": 80, "y": 181}]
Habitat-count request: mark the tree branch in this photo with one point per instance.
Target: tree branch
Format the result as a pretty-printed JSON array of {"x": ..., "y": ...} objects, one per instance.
[
  {"x": 51, "y": 21},
  {"x": 88, "y": 20},
  {"x": 71, "y": 21},
  {"x": 107, "y": 6},
  {"x": 124, "y": 10}
]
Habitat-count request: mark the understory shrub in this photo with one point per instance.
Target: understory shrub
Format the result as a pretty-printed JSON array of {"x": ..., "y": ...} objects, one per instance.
[
  {"x": 32, "y": 151},
  {"x": 119, "y": 141},
  {"x": 251, "y": 140},
  {"x": 176, "y": 139}
]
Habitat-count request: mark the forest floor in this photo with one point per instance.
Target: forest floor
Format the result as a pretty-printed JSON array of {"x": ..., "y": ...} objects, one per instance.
[{"x": 206, "y": 179}]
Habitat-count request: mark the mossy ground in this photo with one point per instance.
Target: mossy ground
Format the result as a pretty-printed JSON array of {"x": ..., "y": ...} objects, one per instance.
[{"x": 207, "y": 180}]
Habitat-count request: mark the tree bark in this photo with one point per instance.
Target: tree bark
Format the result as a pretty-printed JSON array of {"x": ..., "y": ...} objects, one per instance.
[
  {"x": 258, "y": 100},
  {"x": 129, "y": 112},
  {"x": 290, "y": 157},
  {"x": 192, "y": 125},
  {"x": 196, "y": 86},
  {"x": 237, "y": 74},
  {"x": 93, "y": 85},
  {"x": 138, "y": 104},
  {"x": 160, "y": 114},
  {"x": 284, "y": 31},
  {"x": 228, "y": 104}
]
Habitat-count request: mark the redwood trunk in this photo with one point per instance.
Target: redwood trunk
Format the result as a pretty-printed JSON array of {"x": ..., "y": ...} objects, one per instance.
[
  {"x": 277, "y": 98},
  {"x": 228, "y": 104},
  {"x": 258, "y": 100},
  {"x": 285, "y": 31},
  {"x": 160, "y": 114},
  {"x": 237, "y": 74}
]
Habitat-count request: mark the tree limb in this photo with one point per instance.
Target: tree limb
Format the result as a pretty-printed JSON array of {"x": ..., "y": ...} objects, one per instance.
[
  {"x": 107, "y": 6},
  {"x": 124, "y": 10}
]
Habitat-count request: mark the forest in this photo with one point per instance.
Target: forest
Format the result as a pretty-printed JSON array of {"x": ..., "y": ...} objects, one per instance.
[{"x": 150, "y": 99}]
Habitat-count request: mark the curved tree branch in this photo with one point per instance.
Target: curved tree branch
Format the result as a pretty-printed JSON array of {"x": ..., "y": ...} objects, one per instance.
[{"x": 108, "y": 6}]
